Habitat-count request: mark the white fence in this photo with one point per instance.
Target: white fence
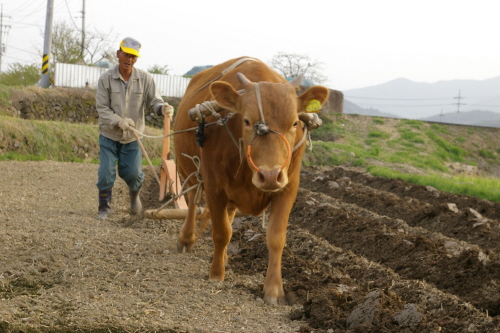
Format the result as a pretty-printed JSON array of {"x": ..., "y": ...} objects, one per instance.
[{"x": 80, "y": 76}]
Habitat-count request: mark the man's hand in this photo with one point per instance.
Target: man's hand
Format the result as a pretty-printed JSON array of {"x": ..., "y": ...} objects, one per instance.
[
  {"x": 126, "y": 123},
  {"x": 167, "y": 110}
]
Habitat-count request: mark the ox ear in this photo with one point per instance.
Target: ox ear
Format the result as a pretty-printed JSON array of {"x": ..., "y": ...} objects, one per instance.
[
  {"x": 225, "y": 95},
  {"x": 312, "y": 99}
]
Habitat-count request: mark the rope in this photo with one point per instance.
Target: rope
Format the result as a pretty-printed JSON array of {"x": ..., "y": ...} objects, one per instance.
[
  {"x": 147, "y": 157},
  {"x": 199, "y": 186},
  {"x": 163, "y": 136},
  {"x": 301, "y": 141}
]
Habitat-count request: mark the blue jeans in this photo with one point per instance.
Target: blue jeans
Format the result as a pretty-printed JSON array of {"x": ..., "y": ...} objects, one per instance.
[{"x": 129, "y": 158}]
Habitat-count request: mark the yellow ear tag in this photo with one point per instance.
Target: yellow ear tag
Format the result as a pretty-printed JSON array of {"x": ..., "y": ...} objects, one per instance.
[{"x": 313, "y": 106}]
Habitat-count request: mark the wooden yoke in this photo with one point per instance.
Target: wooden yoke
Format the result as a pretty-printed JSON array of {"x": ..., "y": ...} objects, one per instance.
[{"x": 169, "y": 179}]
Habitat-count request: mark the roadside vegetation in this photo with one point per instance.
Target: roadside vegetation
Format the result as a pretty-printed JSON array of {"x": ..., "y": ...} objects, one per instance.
[
  {"x": 457, "y": 159},
  {"x": 38, "y": 140}
]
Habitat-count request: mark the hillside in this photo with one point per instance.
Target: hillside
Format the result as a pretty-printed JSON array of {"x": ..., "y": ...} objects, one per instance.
[{"x": 409, "y": 146}]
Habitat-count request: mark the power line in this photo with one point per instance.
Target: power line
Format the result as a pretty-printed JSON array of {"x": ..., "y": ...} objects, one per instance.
[
  {"x": 399, "y": 99},
  {"x": 30, "y": 24},
  {"x": 22, "y": 50},
  {"x": 70, "y": 15},
  {"x": 30, "y": 15},
  {"x": 21, "y": 7},
  {"x": 412, "y": 99},
  {"x": 490, "y": 106},
  {"x": 18, "y": 59},
  {"x": 405, "y": 105}
]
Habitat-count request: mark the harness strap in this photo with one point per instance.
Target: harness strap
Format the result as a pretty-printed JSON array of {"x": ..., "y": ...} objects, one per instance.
[{"x": 233, "y": 66}]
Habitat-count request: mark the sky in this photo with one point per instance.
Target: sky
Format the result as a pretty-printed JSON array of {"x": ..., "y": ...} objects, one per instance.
[{"x": 360, "y": 43}]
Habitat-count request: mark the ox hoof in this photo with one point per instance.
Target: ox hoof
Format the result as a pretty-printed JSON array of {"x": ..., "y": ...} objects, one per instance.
[
  {"x": 181, "y": 247},
  {"x": 274, "y": 300}
]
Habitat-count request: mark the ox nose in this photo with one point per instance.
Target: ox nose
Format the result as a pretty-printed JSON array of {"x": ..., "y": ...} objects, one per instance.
[{"x": 271, "y": 179}]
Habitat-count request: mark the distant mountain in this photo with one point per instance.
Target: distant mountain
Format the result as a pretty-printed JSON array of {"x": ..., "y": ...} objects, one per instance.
[
  {"x": 351, "y": 108},
  {"x": 415, "y": 100}
]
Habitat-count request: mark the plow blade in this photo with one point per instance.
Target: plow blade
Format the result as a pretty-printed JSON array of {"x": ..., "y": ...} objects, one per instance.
[{"x": 169, "y": 179}]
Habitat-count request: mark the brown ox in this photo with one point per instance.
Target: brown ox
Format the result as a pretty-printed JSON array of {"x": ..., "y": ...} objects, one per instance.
[{"x": 270, "y": 178}]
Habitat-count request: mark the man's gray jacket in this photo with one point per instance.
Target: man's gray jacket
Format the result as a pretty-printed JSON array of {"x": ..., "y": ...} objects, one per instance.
[{"x": 115, "y": 100}]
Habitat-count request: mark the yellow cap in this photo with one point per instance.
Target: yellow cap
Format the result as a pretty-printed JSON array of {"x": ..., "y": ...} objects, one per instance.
[{"x": 131, "y": 46}]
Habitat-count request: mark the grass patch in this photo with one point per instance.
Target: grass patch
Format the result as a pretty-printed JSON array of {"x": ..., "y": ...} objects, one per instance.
[
  {"x": 379, "y": 134},
  {"x": 411, "y": 136},
  {"x": 447, "y": 151},
  {"x": 487, "y": 154},
  {"x": 485, "y": 188},
  {"x": 412, "y": 123},
  {"x": 440, "y": 129},
  {"x": 5, "y": 92},
  {"x": 38, "y": 140}
]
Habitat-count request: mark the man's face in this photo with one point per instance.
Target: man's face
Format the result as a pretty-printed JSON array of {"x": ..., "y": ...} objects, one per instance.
[{"x": 126, "y": 61}]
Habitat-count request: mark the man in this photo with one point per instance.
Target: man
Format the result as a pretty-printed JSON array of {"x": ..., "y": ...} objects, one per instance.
[{"x": 124, "y": 94}]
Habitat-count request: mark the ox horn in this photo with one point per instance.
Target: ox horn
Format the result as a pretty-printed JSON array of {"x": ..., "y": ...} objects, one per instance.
[{"x": 243, "y": 79}]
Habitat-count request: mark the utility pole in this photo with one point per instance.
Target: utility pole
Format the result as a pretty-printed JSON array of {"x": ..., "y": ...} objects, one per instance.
[
  {"x": 1, "y": 33},
  {"x": 45, "y": 80},
  {"x": 458, "y": 106},
  {"x": 83, "y": 29},
  {"x": 2, "y": 47}
]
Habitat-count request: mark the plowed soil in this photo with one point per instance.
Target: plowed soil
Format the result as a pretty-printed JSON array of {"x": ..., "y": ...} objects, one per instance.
[{"x": 363, "y": 254}]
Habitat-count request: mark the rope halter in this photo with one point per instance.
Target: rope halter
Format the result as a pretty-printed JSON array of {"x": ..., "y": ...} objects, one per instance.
[
  {"x": 249, "y": 151},
  {"x": 260, "y": 128}
]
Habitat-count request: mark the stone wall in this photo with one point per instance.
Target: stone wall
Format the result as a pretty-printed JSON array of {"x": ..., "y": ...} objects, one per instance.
[{"x": 75, "y": 105}]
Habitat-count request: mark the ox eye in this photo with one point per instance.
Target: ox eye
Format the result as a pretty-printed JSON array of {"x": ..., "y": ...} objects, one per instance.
[
  {"x": 295, "y": 124},
  {"x": 247, "y": 122}
]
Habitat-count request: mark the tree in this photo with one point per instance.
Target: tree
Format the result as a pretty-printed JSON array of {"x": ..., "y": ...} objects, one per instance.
[
  {"x": 98, "y": 47},
  {"x": 20, "y": 75},
  {"x": 292, "y": 65},
  {"x": 67, "y": 46},
  {"x": 157, "y": 69}
]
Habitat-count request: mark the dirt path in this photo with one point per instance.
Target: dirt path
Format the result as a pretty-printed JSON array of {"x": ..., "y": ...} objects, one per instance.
[{"x": 371, "y": 255}]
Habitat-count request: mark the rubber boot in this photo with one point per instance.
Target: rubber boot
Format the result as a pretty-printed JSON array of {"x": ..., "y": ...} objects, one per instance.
[
  {"x": 135, "y": 202},
  {"x": 104, "y": 204}
]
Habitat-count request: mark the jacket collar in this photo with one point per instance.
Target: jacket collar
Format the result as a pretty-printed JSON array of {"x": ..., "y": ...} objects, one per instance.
[{"x": 117, "y": 75}]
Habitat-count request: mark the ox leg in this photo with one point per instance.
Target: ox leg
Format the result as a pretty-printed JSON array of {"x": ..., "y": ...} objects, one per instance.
[
  {"x": 231, "y": 212},
  {"x": 187, "y": 236},
  {"x": 221, "y": 235},
  {"x": 205, "y": 218},
  {"x": 276, "y": 238}
]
